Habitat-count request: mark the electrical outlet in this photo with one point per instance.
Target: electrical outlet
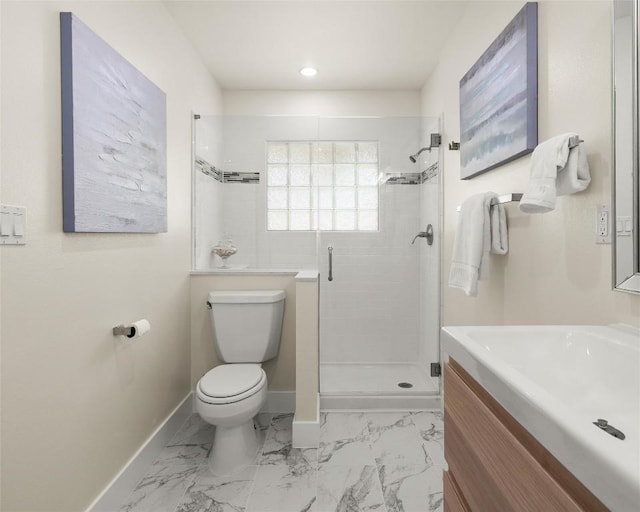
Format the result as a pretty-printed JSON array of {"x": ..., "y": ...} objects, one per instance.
[
  {"x": 603, "y": 229},
  {"x": 603, "y": 224}
]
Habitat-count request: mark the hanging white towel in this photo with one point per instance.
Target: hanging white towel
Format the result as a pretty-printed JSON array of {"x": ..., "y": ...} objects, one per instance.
[
  {"x": 499, "y": 233},
  {"x": 555, "y": 170},
  {"x": 575, "y": 176},
  {"x": 472, "y": 243}
]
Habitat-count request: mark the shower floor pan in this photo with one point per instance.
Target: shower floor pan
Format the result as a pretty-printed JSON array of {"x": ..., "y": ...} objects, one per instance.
[{"x": 377, "y": 386}]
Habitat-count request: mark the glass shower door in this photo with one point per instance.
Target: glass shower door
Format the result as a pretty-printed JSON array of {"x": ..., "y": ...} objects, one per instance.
[{"x": 376, "y": 339}]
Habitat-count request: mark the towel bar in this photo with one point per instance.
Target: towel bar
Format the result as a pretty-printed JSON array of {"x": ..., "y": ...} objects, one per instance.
[
  {"x": 574, "y": 141},
  {"x": 504, "y": 198},
  {"x": 515, "y": 197}
]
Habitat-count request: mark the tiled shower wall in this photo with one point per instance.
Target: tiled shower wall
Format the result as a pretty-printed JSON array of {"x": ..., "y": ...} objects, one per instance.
[
  {"x": 244, "y": 205},
  {"x": 208, "y": 191},
  {"x": 371, "y": 311}
]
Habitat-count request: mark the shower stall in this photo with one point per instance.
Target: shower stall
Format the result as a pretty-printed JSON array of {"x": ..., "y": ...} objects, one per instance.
[{"x": 356, "y": 198}]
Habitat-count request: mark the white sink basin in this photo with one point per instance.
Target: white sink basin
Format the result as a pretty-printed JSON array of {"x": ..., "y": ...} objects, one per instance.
[{"x": 556, "y": 381}]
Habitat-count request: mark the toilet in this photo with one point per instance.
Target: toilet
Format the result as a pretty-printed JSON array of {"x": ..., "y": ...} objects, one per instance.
[{"x": 247, "y": 327}]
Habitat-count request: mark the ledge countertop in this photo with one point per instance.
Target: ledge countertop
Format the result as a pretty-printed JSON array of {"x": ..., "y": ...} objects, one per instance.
[{"x": 300, "y": 274}]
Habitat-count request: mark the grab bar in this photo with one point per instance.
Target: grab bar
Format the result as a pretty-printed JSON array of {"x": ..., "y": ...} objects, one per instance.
[{"x": 330, "y": 249}]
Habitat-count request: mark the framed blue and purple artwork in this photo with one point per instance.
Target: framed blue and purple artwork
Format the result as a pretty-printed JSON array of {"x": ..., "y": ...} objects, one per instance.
[
  {"x": 114, "y": 138},
  {"x": 499, "y": 98}
]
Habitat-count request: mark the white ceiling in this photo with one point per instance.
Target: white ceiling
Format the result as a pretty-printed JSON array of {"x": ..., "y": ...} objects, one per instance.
[{"x": 353, "y": 44}]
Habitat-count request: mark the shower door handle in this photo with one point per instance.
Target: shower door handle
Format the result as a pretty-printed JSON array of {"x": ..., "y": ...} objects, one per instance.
[{"x": 330, "y": 249}]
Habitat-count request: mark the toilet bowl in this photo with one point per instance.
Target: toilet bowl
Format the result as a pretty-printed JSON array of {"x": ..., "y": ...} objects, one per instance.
[
  {"x": 247, "y": 327},
  {"x": 229, "y": 397}
]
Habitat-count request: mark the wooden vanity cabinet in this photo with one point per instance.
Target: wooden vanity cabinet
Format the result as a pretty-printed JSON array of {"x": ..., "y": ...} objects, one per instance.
[
  {"x": 495, "y": 465},
  {"x": 453, "y": 499}
]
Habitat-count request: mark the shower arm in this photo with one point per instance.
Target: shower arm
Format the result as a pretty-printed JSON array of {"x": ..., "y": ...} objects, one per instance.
[{"x": 435, "y": 142}]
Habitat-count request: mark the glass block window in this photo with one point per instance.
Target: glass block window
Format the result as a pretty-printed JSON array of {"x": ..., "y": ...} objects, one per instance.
[{"x": 330, "y": 186}]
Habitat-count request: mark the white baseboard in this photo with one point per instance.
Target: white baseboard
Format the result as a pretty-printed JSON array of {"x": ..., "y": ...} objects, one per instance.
[
  {"x": 114, "y": 495},
  {"x": 306, "y": 434},
  {"x": 281, "y": 402}
]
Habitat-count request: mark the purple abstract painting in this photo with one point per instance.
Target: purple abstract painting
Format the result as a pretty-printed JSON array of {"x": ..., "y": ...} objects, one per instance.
[
  {"x": 113, "y": 138},
  {"x": 499, "y": 98}
]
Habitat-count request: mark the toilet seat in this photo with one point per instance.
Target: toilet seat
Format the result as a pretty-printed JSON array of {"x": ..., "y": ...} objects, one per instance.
[{"x": 229, "y": 383}]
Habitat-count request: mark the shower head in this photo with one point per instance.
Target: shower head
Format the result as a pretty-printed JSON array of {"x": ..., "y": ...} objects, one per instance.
[{"x": 413, "y": 158}]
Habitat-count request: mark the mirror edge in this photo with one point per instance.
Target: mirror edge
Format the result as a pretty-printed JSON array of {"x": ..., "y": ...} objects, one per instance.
[{"x": 632, "y": 283}]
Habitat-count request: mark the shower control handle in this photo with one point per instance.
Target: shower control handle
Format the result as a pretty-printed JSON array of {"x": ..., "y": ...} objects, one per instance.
[
  {"x": 330, "y": 249},
  {"x": 428, "y": 234}
]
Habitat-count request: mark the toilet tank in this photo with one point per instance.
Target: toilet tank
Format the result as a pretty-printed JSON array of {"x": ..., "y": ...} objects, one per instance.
[{"x": 247, "y": 324}]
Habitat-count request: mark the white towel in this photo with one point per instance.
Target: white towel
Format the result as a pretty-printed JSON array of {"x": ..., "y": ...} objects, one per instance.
[
  {"x": 555, "y": 170},
  {"x": 480, "y": 228},
  {"x": 499, "y": 233}
]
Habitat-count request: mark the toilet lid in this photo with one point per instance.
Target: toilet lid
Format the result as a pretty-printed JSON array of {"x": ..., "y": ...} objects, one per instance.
[{"x": 230, "y": 379}]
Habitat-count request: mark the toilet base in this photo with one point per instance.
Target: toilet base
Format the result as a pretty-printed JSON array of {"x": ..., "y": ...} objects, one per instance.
[{"x": 234, "y": 448}]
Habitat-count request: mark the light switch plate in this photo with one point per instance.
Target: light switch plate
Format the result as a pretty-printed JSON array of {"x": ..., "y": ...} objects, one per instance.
[
  {"x": 13, "y": 225},
  {"x": 6, "y": 224},
  {"x": 624, "y": 226}
]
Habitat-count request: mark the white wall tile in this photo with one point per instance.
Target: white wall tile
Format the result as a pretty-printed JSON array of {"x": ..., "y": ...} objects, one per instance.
[{"x": 373, "y": 309}]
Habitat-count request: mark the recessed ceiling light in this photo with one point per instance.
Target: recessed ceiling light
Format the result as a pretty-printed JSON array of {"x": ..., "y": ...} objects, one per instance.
[{"x": 308, "y": 71}]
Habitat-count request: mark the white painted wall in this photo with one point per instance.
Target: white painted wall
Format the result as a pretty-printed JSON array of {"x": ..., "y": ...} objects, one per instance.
[
  {"x": 76, "y": 402},
  {"x": 554, "y": 272},
  {"x": 321, "y": 103}
]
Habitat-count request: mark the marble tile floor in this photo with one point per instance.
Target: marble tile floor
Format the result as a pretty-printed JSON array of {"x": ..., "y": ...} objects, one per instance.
[{"x": 373, "y": 461}]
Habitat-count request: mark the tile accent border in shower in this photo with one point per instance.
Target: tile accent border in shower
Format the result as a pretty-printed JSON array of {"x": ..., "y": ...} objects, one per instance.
[
  {"x": 225, "y": 176},
  {"x": 241, "y": 177},
  {"x": 210, "y": 170},
  {"x": 429, "y": 173},
  {"x": 401, "y": 178},
  {"x": 411, "y": 178}
]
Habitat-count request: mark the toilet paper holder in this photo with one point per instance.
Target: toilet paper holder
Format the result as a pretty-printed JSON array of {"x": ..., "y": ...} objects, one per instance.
[
  {"x": 124, "y": 330},
  {"x": 134, "y": 329}
]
